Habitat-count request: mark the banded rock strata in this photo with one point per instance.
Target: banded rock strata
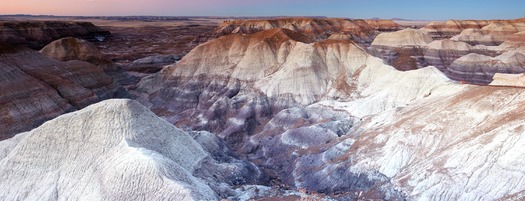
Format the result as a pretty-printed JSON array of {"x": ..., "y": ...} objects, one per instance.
[
  {"x": 450, "y": 28},
  {"x": 402, "y": 49},
  {"x": 36, "y": 88},
  {"x": 480, "y": 69},
  {"x": 493, "y": 34}
]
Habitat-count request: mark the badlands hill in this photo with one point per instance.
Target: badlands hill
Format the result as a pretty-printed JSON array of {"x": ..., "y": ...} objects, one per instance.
[
  {"x": 494, "y": 33},
  {"x": 69, "y": 48},
  {"x": 137, "y": 156},
  {"x": 410, "y": 49},
  {"x": 36, "y": 88},
  {"x": 405, "y": 37}
]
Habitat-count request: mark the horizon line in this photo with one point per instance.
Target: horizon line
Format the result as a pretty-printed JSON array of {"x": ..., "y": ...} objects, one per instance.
[{"x": 240, "y": 16}]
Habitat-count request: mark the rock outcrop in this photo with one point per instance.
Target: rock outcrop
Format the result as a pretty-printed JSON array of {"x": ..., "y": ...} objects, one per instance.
[
  {"x": 450, "y": 28},
  {"x": 116, "y": 150},
  {"x": 491, "y": 35},
  {"x": 508, "y": 80},
  {"x": 441, "y": 53},
  {"x": 514, "y": 42},
  {"x": 315, "y": 28},
  {"x": 37, "y": 34},
  {"x": 69, "y": 48},
  {"x": 36, "y": 88},
  {"x": 402, "y": 49},
  {"x": 152, "y": 64},
  {"x": 384, "y": 25},
  {"x": 480, "y": 69},
  {"x": 405, "y": 37}
]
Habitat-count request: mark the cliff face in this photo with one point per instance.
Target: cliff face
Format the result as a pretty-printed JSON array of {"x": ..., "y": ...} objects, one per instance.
[
  {"x": 37, "y": 34},
  {"x": 36, "y": 88}
]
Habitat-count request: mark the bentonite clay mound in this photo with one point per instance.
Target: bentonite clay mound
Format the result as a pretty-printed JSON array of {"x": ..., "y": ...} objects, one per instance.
[
  {"x": 71, "y": 48},
  {"x": 480, "y": 69},
  {"x": 118, "y": 150},
  {"x": 405, "y": 37},
  {"x": 402, "y": 49},
  {"x": 441, "y": 53}
]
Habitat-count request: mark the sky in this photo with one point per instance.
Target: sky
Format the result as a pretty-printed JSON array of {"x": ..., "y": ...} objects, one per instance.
[{"x": 420, "y": 9}]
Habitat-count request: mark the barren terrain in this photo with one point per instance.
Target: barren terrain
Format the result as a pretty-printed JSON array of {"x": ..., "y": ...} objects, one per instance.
[{"x": 285, "y": 108}]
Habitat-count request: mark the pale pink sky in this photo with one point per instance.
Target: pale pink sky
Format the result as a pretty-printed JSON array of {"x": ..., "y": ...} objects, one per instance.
[
  {"x": 409, "y": 9},
  {"x": 132, "y": 7}
]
